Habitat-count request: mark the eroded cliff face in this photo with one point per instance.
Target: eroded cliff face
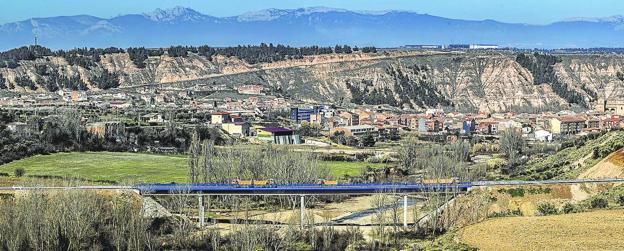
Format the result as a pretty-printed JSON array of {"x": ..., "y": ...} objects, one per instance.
[
  {"x": 466, "y": 81},
  {"x": 597, "y": 76}
]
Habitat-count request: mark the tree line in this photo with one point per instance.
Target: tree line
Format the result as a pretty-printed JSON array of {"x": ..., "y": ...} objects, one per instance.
[{"x": 89, "y": 57}]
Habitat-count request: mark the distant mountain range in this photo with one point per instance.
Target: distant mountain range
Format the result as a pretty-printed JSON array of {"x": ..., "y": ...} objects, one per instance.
[{"x": 305, "y": 26}]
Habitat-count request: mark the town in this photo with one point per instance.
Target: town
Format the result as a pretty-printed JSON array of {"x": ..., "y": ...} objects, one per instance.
[{"x": 250, "y": 112}]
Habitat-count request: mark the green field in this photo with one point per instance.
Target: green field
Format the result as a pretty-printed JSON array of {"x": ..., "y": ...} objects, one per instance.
[{"x": 134, "y": 167}]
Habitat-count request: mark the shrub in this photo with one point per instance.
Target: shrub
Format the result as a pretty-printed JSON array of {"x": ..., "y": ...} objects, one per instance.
[
  {"x": 514, "y": 192},
  {"x": 515, "y": 212},
  {"x": 621, "y": 200},
  {"x": 599, "y": 202},
  {"x": 569, "y": 208},
  {"x": 4, "y": 174},
  {"x": 19, "y": 172},
  {"x": 546, "y": 208}
]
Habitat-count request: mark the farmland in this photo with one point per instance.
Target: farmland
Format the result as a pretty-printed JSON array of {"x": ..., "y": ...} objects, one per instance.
[
  {"x": 582, "y": 231},
  {"x": 134, "y": 167}
]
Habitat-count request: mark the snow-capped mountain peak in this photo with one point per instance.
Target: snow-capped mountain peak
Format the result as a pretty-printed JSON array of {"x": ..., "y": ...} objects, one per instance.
[{"x": 175, "y": 14}]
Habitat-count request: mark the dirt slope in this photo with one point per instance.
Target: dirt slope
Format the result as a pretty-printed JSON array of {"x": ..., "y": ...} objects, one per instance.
[{"x": 598, "y": 230}]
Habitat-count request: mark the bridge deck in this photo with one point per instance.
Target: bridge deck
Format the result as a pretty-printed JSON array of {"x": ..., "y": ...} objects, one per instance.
[{"x": 314, "y": 189}]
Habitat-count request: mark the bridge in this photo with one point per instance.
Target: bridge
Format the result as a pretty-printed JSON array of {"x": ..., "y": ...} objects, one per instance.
[
  {"x": 303, "y": 190},
  {"x": 312, "y": 189}
]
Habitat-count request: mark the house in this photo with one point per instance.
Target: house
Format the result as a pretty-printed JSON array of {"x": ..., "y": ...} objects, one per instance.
[
  {"x": 487, "y": 127},
  {"x": 318, "y": 119},
  {"x": 153, "y": 118},
  {"x": 613, "y": 105},
  {"x": 567, "y": 125},
  {"x": 220, "y": 118},
  {"x": 279, "y": 135},
  {"x": 422, "y": 125},
  {"x": 250, "y": 89},
  {"x": 302, "y": 114},
  {"x": 593, "y": 123},
  {"x": 350, "y": 119},
  {"x": 611, "y": 122},
  {"x": 469, "y": 126},
  {"x": 358, "y": 130},
  {"x": 17, "y": 127},
  {"x": 434, "y": 125},
  {"x": 239, "y": 129},
  {"x": 543, "y": 135},
  {"x": 112, "y": 129}
]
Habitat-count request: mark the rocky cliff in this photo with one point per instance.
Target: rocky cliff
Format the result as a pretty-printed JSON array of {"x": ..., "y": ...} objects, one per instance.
[{"x": 466, "y": 81}]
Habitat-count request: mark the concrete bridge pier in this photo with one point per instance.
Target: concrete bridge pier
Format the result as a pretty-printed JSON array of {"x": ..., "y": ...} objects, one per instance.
[
  {"x": 405, "y": 211},
  {"x": 302, "y": 208},
  {"x": 200, "y": 204}
]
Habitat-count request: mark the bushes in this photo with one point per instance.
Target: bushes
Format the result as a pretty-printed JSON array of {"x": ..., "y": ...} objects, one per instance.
[
  {"x": 599, "y": 202},
  {"x": 73, "y": 220},
  {"x": 569, "y": 208},
  {"x": 19, "y": 172},
  {"x": 138, "y": 56},
  {"x": 620, "y": 200},
  {"x": 515, "y": 212},
  {"x": 546, "y": 208},
  {"x": 514, "y": 192},
  {"x": 106, "y": 80}
]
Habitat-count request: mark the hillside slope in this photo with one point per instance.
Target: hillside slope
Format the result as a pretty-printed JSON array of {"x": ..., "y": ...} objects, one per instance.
[
  {"x": 466, "y": 81},
  {"x": 581, "y": 231}
]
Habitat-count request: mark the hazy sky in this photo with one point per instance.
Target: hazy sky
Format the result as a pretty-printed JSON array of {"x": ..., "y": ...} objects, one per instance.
[{"x": 519, "y": 11}]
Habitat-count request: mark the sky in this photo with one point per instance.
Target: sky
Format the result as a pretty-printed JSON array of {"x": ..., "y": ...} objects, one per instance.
[{"x": 514, "y": 11}]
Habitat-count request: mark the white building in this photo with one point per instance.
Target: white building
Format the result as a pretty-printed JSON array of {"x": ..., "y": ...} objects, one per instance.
[
  {"x": 543, "y": 135},
  {"x": 483, "y": 46}
]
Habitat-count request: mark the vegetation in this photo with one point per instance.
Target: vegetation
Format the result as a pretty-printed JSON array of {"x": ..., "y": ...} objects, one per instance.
[
  {"x": 559, "y": 164},
  {"x": 307, "y": 129},
  {"x": 599, "y": 202},
  {"x": 512, "y": 147},
  {"x": 73, "y": 220},
  {"x": 507, "y": 213},
  {"x": 569, "y": 208},
  {"x": 53, "y": 80},
  {"x": 2, "y": 82},
  {"x": 514, "y": 192},
  {"x": 106, "y": 80},
  {"x": 406, "y": 91},
  {"x": 546, "y": 208},
  {"x": 10, "y": 58},
  {"x": 19, "y": 172},
  {"x": 252, "y": 54},
  {"x": 206, "y": 164},
  {"x": 541, "y": 67},
  {"x": 65, "y": 132}
]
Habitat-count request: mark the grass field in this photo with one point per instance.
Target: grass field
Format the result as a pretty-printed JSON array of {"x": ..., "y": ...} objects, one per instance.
[
  {"x": 597, "y": 230},
  {"x": 134, "y": 167}
]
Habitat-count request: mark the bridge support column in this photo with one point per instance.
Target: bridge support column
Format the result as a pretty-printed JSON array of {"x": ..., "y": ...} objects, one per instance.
[
  {"x": 200, "y": 204},
  {"x": 405, "y": 211},
  {"x": 302, "y": 207}
]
